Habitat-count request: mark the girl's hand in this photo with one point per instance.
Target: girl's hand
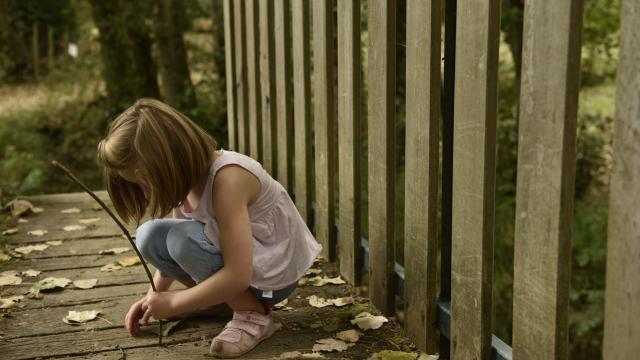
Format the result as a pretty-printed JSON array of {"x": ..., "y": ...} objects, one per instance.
[
  {"x": 160, "y": 304},
  {"x": 135, "y": 316}
]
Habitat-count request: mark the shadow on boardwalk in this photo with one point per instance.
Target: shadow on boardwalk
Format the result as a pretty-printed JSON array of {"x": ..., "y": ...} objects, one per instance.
[{"x": 34, "y": 328}]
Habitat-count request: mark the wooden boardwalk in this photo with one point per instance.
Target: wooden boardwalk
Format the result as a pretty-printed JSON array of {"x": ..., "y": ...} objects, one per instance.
[{"x": 33, "y": 328}]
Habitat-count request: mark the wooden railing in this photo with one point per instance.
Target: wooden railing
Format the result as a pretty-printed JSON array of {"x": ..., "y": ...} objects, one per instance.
[{"x": 311, "y": 142}]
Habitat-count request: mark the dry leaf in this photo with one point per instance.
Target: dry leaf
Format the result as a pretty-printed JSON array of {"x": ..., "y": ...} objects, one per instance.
[
  {"x": 282, "y": 305},
  {"x": 4, "y": 256},
  {"x": 110, "y": 267},
  {"x": 6, "y": 303},
  {"x": 331, "y": 344},
  {"x": 130, "y": 261},
  {"x": 38, "y": 232},
  {"x": 167, "y": 327},
  {"x": 22, "y": 221},
  {"x": 88, "y": 220},
  {"x": 9, "y": 273},
  {"x": 117, "y": 250},
  {"x": 73, "y": 210},
  {"x": 322, "y": 281},
  {"x": 366, "y": 321},
  {"x": 351, "y": 336},
  {"x": 313, "y": 272},
  {"x": 49, "y": 283},
  {"x": 37, "y": 210},
  {"x": 54, "y": 242},
  {"x": 19, "y": 207},
  {"x": 10, "y": 279},
  {"x": 29, "y": 248},
  {"x": 31, "y": 273},
  {"x": 299, "y": 355},
  {"x": 85, "y": 284},
  {"x": 10, "y": 231},
  {"x": 78, "y": 317},
  {"x": 401, "y": 355},
  {"x": 318, "y": 302},
  {"x": 74, "y": 227}
]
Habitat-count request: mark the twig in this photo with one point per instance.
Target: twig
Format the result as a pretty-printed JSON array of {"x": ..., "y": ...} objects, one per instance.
[{"x": 124, "y": 230}]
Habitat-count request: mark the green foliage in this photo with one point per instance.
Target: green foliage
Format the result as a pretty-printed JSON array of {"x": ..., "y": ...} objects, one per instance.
[{"x": 600, "y": 40}]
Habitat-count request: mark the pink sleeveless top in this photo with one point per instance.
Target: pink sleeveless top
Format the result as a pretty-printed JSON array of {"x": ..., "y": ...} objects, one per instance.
[{"x": 283, "y": 246}]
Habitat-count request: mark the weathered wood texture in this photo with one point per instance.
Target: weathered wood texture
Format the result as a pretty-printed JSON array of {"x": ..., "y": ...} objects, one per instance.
[
  {"x": 349, "y": 139},
  {"x": 230, "y": 73},
  {"x": 268, "y": 86},
  {"x": 381, "y": 157},
  {"x": 253, "y": 80},
  {"x": 622, "y": 302},
  {"x": 421, "y": 171},
  {"x": 325, "y": 125},
  {"x": 242, "y": 105},
  {"x": 284, "y": 135},
  {"x": 474, "y": 156},
  {"x": 546, "y": 178},
  {"x": 302, "y": 108}
]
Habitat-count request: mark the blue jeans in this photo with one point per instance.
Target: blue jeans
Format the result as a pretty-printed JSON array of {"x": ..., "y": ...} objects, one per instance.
[{"x": 179, "y": 248}]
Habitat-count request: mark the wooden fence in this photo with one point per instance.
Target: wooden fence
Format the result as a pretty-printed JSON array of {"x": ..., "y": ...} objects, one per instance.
[{"x": 305, "y": 127}]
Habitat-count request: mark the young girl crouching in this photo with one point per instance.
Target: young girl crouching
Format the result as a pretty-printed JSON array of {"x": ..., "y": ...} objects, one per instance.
[{"x": 236, "y": 237}]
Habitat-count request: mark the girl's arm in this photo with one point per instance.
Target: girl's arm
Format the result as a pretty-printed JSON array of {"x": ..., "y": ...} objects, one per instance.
[{"x": 234, "y": 189}]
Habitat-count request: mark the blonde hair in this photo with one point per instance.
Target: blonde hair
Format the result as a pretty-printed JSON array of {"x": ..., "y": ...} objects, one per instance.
[{"x": 167, "y": 149}]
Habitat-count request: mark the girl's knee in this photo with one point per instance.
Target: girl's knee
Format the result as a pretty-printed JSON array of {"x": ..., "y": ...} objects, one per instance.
[
  {"x": 178, "y": 241},
  {"x": 144, "y": 235}
]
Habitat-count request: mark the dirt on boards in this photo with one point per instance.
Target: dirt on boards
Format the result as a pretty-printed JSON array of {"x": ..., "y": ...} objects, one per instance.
[{"x": 34, "y": 328}]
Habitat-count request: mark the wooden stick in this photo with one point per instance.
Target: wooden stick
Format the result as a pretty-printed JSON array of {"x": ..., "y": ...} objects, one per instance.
[{"x": 119, "y": 223}]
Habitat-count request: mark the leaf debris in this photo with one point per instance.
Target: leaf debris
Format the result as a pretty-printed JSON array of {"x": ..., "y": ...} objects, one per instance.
[
  {"x": 11, "y": 231},
  {"x": 366, "y": 321},
  {"x": 85, "y": 284},
  {"x": 23, "y": 221},
  {"x": 19, "y": 207},
  {"x": 351, "y": 336},
  {"x": 50, "y": 283},
  {"x": 319, "y": 302},
  {"x": 31, "y": 273},
  {"x": 321, "y": 281},
  {"x": 112, "y": 251},
  {"x": 10, "y": 278},
  {"x": 30, "y": 248},
  {"x": 73, "y": 210},
  {"x": 79, "y": 317},
  {"x": 74, "y": 227},
  {"x": 54, "y": 242},
  {"x": 88, "y": 220},
  {"x": 38, "y": 232},
  {"x": 7, "y": 303},
  {"x": 331, "y": 344},
  {"x": 110, "y": 267},
  {"x": 130, "y": 261}
]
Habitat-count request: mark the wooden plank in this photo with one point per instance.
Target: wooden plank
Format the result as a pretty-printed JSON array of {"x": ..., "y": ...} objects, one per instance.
[
  {"x": 622, "y": 301},
  {"x": 546, "y": 178},
  {"x": 381, "y": 158},
  {"x": 230, "y": 74},
  {"x": 474, "y": 153},
  {"x": 421, "y": 171},
  {"x": 79, "y": 247},
  {"x": 268, "y": 86},
  {"x": 283, "y": 88},
  {"x": 242, "y": 111},
  {"x": 302, "y": 108},
  {"x": 349, "y": 140},
  {"x": 253, "y": 78},
  {"x": 324, "y": 124}
]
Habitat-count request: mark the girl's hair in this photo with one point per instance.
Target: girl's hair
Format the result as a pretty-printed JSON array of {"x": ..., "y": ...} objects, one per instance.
[{"x": 169, "y": 151}]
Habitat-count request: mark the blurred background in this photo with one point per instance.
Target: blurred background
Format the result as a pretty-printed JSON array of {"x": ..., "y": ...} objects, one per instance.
[{"x": 67, "y": 67}]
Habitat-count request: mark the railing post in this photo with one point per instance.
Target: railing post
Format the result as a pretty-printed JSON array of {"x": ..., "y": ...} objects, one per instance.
[
  {"x": 622, "y": 302},
  {"x": 230, "y": 73},
  {"x": 241, "y": 76},
  {"x": 253, "y": 81},
  {"x": 546, "y": 178},
  {"x": 268, "y": 86},
  {"x": 474, "y": 156}
]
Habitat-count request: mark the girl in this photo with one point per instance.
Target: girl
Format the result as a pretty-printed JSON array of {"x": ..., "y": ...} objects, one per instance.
[{"x": 237, "y": 237}]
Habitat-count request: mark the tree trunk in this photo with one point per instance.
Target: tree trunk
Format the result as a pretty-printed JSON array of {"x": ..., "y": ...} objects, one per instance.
[
  {"x": 128, "y": 68},
  {"x": 170, "y": 23}
]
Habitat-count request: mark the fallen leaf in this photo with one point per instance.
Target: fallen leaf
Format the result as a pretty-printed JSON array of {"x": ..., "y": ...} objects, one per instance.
[
  {"x": 9, "y": 272},
  {"x": 110, "y": 267},
  {"x": 366, "y": 321},
  {"x": 37, "y": 210},
  {"x": 85, "y": 284},
  {"x": 78, "y": 317},
  {"x": 74, "y": 227},
  {"x": 38, "y": 232},
  {"x": 97, "y": 208},
  {"x": 50, "y": 283},
  {"x": 31, "y": 273},
  {"x": 351, "y": 336},
  {"x": 166, "y": 327},
  {"x": 313, "y": 272},
  {"x": 54, "y": 242},
  {"x": 401, "y": 355},
  {"x": 73, "y": 210},
  {"x": 130, "y": 261},
  {"x": 22, "y": 221},
  {"x": 330, "y": 344},
  {"x": 319, "y": 302},
  {"x": 298, "y": 355},
  {"x": 19, "y": 207},
  {"x": 321, "y": 281},
  {"x": 10, "y": 280},
  {"x": 282, "y": 305},
  {"x": 4, "y": 256},
  {"x": 88, "y": 220},
  {"x": 117, "y": 250},
  {"x": 10, "y": 231},
  {"x": 29, "y": 248},
  {"x": 6, "y": 303}
]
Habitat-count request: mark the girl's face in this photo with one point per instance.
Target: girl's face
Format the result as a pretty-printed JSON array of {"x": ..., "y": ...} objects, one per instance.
[{"x": 134, "y": 176}]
